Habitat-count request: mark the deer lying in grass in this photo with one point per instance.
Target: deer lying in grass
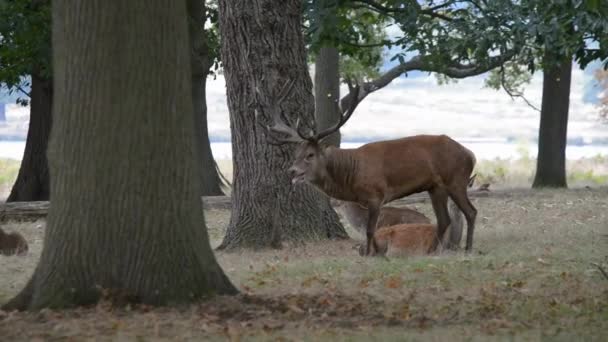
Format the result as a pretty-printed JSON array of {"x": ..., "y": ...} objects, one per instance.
[
  {"x": 404, "y": 239},
  {"x": 12, "y": 243},
  {"x": 356, "y": 215},
  {"x": 379, "y": 172}
]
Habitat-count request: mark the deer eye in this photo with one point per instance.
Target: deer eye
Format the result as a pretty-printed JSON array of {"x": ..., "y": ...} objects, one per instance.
[{"x": 310, "y": 155}]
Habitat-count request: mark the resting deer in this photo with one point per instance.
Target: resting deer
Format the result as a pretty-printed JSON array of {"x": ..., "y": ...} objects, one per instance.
[
  {"x": 356, "y": 215},
  {"x": 404, "y": 239},
  {"x": 379, "y": 172},
  {"x": 12, "y": 243}
]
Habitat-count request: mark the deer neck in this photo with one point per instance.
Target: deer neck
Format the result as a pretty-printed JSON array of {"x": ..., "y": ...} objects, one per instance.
[{"x": 341, "y": 169}]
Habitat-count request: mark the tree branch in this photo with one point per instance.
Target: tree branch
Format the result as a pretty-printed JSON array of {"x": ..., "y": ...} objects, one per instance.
[
  {"x": 23, "y": 91},
  {"x": 420, "y": 63},
  {"x": 601, "y": 269},
  {"x": 512, "y": 93},
  {"x": 426, "y": 11}
]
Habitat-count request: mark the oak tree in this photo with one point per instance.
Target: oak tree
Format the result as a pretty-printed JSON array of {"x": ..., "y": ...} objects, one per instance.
[{"x": 126, "y": 216}]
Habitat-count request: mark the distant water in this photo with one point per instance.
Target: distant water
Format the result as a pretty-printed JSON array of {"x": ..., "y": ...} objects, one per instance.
[{"x": 482, "y": 149}]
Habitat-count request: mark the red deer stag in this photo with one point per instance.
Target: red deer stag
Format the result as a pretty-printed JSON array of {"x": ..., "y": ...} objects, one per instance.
[{"x": 379, "y": 172}]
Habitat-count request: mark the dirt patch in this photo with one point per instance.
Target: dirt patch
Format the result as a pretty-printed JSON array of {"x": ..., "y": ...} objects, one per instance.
[{"x": 533, "y": 275}]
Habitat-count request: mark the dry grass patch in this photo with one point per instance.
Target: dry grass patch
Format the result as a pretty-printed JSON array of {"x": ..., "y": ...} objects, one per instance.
[
  {"x": 531, "y": 277},
  {"x": 9, "y": 168}
]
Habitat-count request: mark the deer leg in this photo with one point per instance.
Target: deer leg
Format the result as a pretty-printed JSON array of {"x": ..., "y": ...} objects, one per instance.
[
  {"x": 456, "y": 225},
  {"x": 372, "y": 221},
  {"x": 460, "y": 197},
  {"x": 439, "y": 198}
]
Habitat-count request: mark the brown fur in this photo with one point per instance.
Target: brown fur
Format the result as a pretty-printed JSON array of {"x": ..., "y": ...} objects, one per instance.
[
  {"x": 356, "y": 215},
  {"x": 404, "y": 239},
  {"x": 12, "y": 243},
  {"x": 379, "y": 172}
]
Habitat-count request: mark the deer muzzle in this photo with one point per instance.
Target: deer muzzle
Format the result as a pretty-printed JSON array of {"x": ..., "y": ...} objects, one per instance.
[{"x": 297, "y": 175}]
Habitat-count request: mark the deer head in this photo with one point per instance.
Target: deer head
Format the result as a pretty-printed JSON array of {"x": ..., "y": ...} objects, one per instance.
[{"x": 310, "y": 156}]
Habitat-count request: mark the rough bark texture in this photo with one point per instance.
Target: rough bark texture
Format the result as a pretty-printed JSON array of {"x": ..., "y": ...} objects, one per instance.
[
  {"x": 121, "y": 149},
  {"x": 201, "y": 64},
  {"x": 32, "y": 183},
  {"x": 327, "y": 92},
  {"x": 262, "y": 48},
  {"x": 553, "y": 132}
]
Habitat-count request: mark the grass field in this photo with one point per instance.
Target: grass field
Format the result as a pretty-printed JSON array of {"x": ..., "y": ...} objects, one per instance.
[
  {"x": 533, "y": 276},
  {"x": 8, "y": 173}
]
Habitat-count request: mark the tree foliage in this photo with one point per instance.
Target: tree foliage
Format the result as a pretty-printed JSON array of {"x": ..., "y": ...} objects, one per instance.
[
  {"x": 360, "y": 54},
  {"x": 25, "y": 43},
  {"x": 553, "y": 32}
]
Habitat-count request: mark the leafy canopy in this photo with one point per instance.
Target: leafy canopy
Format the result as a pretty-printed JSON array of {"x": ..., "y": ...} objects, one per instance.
[{"x": 25, "y": 42}]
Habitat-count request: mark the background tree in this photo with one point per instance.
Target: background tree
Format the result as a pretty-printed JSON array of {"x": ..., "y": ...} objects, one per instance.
[
  {"x": 464, "y": 38},
  {"x": 139, "y": 148},
  {"x": 25, "y": 53},
  {"x": 266, "y": 209},
  {"x": 25, "y": 67},
  {"x": 204, "y": 55},
  {"x": 440, "y": 37},
  {"x": 555, "y": 34},
  {"x": 333, "y": 65}
]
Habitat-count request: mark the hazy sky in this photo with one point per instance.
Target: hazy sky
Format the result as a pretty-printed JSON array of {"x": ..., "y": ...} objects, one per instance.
[{"x": 417, "y": 105}]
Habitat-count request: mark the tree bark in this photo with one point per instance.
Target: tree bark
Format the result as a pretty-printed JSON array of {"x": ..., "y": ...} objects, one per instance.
[
  {"x": 553, "y": 132},
  {"x": 32, "y": 183},
  {"x": 263, "y": 50},
  {"x": 122, "y": 147},
  {"x": 201, "y": 63},
  {"x": 327, "y": 92}
]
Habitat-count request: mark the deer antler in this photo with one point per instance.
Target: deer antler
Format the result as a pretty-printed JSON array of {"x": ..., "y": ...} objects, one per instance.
[
  {"x": 278, "y": 125},
  {"x": 353, "y": 90}
]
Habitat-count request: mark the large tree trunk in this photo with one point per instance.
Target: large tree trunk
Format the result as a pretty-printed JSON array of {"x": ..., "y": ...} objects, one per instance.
[
  {"x": 122, "y": 147},
  {"x": 553, "y": 132},
  {"x": 32, "y": 183},
  {"x": 327, "y": 91},
  {"x": 201, "y": 64},
  {"x": 263, "y": 49}
]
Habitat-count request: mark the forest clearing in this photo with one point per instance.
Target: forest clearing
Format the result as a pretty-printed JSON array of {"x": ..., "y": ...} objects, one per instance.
[
  {"x": 479, "y": 154},
  {"x": 534, "y": 275}
]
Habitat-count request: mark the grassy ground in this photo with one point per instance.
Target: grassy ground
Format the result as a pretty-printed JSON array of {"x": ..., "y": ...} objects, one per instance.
[
  {"x": 8, "y": 173},
  {"x": 533, "y": 276}
]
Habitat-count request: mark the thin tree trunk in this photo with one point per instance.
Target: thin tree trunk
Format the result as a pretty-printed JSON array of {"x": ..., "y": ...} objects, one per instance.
[
  {"x": 327, "y": 91},
  {"x": 553, "y": 132},
  {"x": 32, "y": 183},
  {"x": 122, "y": 147},
  {"x": 201, "y": 64},
  {"x": 263, "y": 50}
]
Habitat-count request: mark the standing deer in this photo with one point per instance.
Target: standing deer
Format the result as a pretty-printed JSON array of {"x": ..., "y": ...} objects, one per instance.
[{"x": 379, "y": 172}]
